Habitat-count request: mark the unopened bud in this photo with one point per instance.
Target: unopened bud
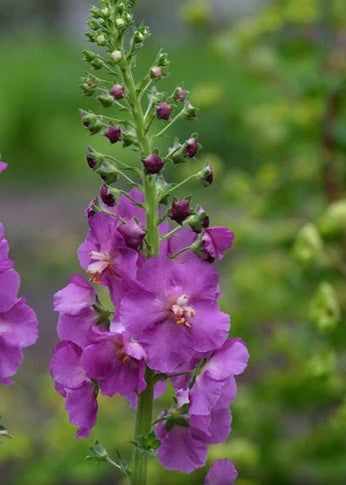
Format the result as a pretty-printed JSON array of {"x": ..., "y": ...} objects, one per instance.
[
  {"x": 116, "y": 56},
  {"x": 100, "y": 40},
  {"x": 164, "y": 111},
  {"x": 163, "y": 59},
  {"x": 206, "y": 176},
  {"x": 91, "y": 122},
  {"x": 89, "y": 56},
  {"x": 120, "y": 23},
  {"x": 153, "y": 164},
  {"x": 91, "y": 158},
  {"x": 180, "y": 95},
  {"x": 133, "y": 234},
  {"x": 105, "y": 12},
  {"x": 117, "y": 91},
  {"x": 190, "y": 112},
  {"x": 97, "y": 63},
  {"x": 191, "y": 147},
  {"x": 156, "y": 72},
  {"x": 107, "y": 172},
  {"x": 106, "y": 100},
  {"x": 113, "y": 133},
  {"x": 180, "y": 210},
  {"x": 138, "y": 37},
  {"x": 107, "y": 196}
]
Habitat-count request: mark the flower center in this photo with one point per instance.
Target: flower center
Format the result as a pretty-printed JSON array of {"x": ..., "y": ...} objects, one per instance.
[
  {"x": 121, "y": 355},
  {"x": 101, "y": 262},
  {"x": 182, "y": 312}
]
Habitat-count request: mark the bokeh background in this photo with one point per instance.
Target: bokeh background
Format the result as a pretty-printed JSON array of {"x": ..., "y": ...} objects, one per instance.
[{"x": 269, "y": 79}]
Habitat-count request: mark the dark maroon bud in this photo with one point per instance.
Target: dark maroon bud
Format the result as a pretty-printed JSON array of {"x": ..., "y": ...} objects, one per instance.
[
  {"x": 113, "y": 133},
  {"x": 152, "y": 164},
  {"x": 203, "y": 217},
  {"x": 164, "y": 111},
  {"x": 206, "y": 176},
  {"x": 118, "y": 91},
  {"x": 156, "y": 72},
  {"x": 106, "y": 196},
  {"x": 90, "y": 158},
  {"x": 191, "y": 148},
  {"x": 180, "y": 210},
  {"x": 132, "y": 233},
  {"x": 180, "y": 95},
  {"x": 91, "y": 210}
]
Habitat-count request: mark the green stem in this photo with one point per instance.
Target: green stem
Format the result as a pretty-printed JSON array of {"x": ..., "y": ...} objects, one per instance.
[{"x": 145, "y": 399}]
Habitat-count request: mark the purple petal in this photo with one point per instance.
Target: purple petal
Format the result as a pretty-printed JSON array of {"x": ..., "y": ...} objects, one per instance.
[
  {"x": 3, "y": 166},
  {"x": 65, "y": 365},
  {"x": 216, "y": 240},
  {"x": 221, "y": 472},
  {"x": 231, "y": 359},
  {"x": 77, "y": 296},
  {"x": 81, "y": 406},
  {"x": 9, "y": 287},
  {"x": 18, "y": 326},
  {"x": 10, "y": 359},
  {"x": 210, "y": 326}
]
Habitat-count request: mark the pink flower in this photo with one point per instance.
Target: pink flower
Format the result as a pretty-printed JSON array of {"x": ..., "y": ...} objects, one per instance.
[{"x": 221, "y": 472}]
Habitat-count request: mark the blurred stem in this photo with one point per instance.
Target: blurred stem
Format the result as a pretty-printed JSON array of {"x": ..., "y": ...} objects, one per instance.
[{"x": 145, "y": 399}]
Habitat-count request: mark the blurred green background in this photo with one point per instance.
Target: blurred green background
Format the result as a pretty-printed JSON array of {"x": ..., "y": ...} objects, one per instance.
[{"x": 269, "y": 78}]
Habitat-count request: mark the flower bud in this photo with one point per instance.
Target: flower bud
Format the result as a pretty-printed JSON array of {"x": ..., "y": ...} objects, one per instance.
[
  {"x": 180, "y": 95},
  {"x": 107, "y": 197},
  {"x": 190, "y": 112},
  {"x": 105, "y": 12},
  {"x": 107, "y": 172},
  {"x": 100, "y": 40},
  {"x": 138, "y": 37},
  {"x": 180, "y": 210},
  {"x": 88, "y": 85},
  {"x": 156, "y": 72},
  {"x": 203, "y": 217},
  {"x": 97, "y": 64},
  {"x": 91, "y": 158},
  {"x": 163, "y": 111},
  {"x": 308, "y": 245},
  {"x": 92, "y": 208},
  {"x": 91, "y": 122},
  {"x": 163, "y": 59},
  {"x": 199, "y": 220},
  {"x": 205, "y": 176},
  {"x": 116, "y": 56},
  {"x": 153, "y": 164},
  {"x": 325, "y": 308},
  {"x": 106, "y": 100},
  {"x": 133, "y": 234},
  {"x": 113, "y": 133},
  {"x": 88, "y": 56},
  {"x": 191, "y": 147},
  {"x": 117, "y": 91},
  {"x": 120, "y": 23}
]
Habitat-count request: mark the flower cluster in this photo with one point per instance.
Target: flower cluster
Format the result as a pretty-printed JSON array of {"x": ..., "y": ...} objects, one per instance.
[
  {"x": 18, "y": 322},
  {"x": 163, "y": 321}
]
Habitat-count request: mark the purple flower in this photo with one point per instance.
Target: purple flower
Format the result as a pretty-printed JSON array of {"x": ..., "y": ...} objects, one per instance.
[
  {"x": 153, "y": 164},
  {"x": 164, "y": 111},
  {"x": 215, "y": 241},
  {"x": 191, "y": 148},
  {"x": 113, "y": 133},
  {"x": 170, "y": 314},
  {"x": 117, "y": 91},
  {"x": 72, "y": 382},
  {"x": 77, "y": 315},
  {"x": 18, "y": 329},
  {"x": 118, "y": 364},
  {"x": 215, "y": 386},
  {"x": 9, "y": 278},
  {"x": 181, "y": 448},
  {"x": 180, "y": 210},
  {"x": 221, "y": 472},
  {"x": 3, "y": 166}
]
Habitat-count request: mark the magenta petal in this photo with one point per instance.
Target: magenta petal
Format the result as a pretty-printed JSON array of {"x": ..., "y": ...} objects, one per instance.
[
  {"x": 204, "y": 395},
  {"x": 77, "y": 328},
  {"x": 220, "y": 425},
  {"x": 10, "y": 359},
  {"x": 18, "y": 326},
  {"x": 206, "y": 286},
  {"x": 221, "y": 472},
  {"x": 65, "y": 365},
  {"x": 216, "y": 240},
  {"x": 3, "y": 166},
  {"x": 77, "y": 296},
  {"x": 81, "y": 406},
  {"x": 181, "y": 451},
  {"x": 210, "y": 326},
  {"x": 9, "y": 287},
  {"x": 231, "y": 359}
]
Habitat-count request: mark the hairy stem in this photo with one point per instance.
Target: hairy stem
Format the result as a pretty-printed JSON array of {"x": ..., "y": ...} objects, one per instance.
[{"x": 145, "y": 399}]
